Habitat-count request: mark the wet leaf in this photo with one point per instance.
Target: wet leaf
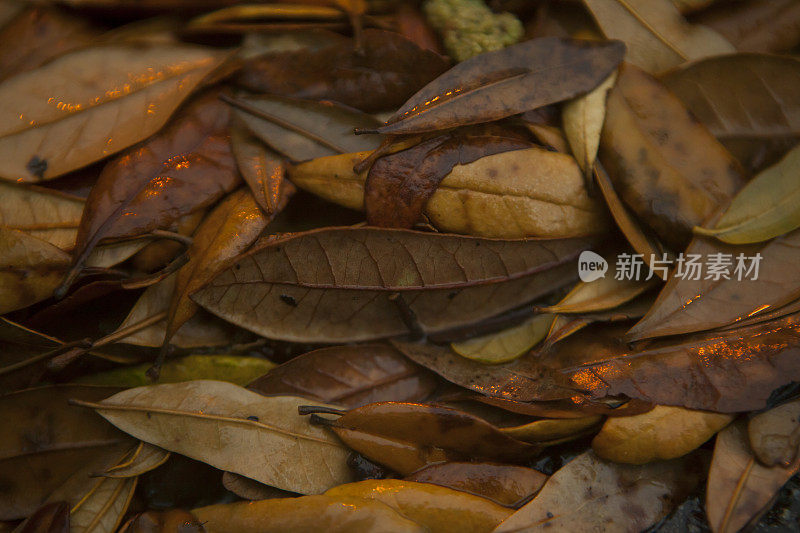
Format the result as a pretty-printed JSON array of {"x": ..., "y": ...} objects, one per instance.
[
  {"x": 50, "y": 441},
  {"x": 232, "y": 429},
  {"x": 774, "y": 436},
  {"x": 438, "y": 508},
  {"x": 30, "y": 269},
  {"x": 308, "y": 513},
  {"x": 400, "y": 185},
  {"x": 229, "y": 230},
  {"x": 262, "y": 169},
  {"x": 492, "y": 197},
  {"x": 588, "y": 490},
  {"x": 349, "y": 375},
  {"x": 727, "y": 372},
  {"x": 756, "y": 25},
  {"x": 748, "y": 101},
  {"x": 304, "y": 129},
  {"x": 144, "y": 458},
  {"x": 600, "y": 295},
  {"x": 549, "y": 431},
  {"x": 99, "y": 106},
  {"x": 499, "y": 84},
  {"x": 198, "y": 331},
  {"x": 37, "y": 35},
  {"x": 663, "y": 433},
  {"x": 738, "y": 486},
  {"x": 159, "y": 186},
  {"x": 765, "y": 208},
  {"x": 507, "y": 485},
  {"x": 506, "y": 345},
  {"x": 435, "y": 274},
  {"x": 665, "y": 165},
  {"x": 388, "y": 71},
  {"x": 656, "y": 34},
  {"x": 237, "y": 369},
  {"x": 583, "y": 120},
  {"x": 686, "y": 304}
]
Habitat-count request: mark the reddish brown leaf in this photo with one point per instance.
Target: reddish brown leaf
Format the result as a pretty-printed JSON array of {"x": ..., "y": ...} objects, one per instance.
[{"x": 756, "y": 25}]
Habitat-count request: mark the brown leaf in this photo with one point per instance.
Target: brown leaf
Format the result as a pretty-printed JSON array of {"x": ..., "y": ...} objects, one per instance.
[
  {"x": 738, "y": 487},
  {"x": 399, "y": 185},
  {"x": 774, "y": 435},
  {"x": 49, "y": 441},
  {"x": 499, "y": 84},
  {"x": 390, "y": 69},
  {"x": 508, "y": 485},
  {"x": 445, "y": 280},
  {"x": 49, "y": 518},
  {"x": 250, "y": 489},
  {"x": 175, "y": 520},
  {"x": 665, "y": 165},
  {"x": 349, "y": 375},
  {"x": 727, "y": 372},
  {"x": 46, "y": 214},
  {"x": 37, "y": 35},
  {"x": 756, "y": 25},
  {"x": 748, "y": 101},
  {"x": 188, "y": 166},
  {"x": 408, "y": 436},
  {"x": 24, "y": 355},
  {"x": 687, "y": 305}
]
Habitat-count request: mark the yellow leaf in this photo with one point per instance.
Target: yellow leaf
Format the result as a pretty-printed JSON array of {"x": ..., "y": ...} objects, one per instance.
[
  {"x": 583, "y": 121},
  {"x": 506, "y": 345}
]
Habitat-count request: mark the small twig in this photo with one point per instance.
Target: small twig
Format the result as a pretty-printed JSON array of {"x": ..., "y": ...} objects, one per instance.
[
  {"x": 46, "y": 355},
  {"x": 408, "y": 316}
]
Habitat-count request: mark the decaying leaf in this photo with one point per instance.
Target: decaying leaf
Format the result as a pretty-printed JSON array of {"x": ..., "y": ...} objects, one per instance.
[
  {"x": 490, "y": 86},
  {"x": 91, "y": 103},
  {"x": 588, "y": 490},
  {"x": 583, "y": 120},
  {"x": 382, "y": 76},
  {"x": 765, "y": 208},
  {"x": 738, "y": 486},
  {"x": 445, "y": 280},
  {"x": 349, "y": 375},
  {"x": 774, "y": 435},
  {"x": 663, "y": 433},
  {"x": 494, "y": 196},
  {"x": 506, "y": 345},
  {"x": 656, "y": 34},
  {"x": 408, "y": 436},
  {"x": 665, "y": 165},
  {"x": 438, "y": 508},
  {"x": 308, "y": 513},
  {"x": 233, "y": 429},
  {"x": 508, "y": 485},
  {"x": 237, "y": 369}
]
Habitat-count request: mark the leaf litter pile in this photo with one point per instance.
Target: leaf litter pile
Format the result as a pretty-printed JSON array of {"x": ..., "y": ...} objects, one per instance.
[{"x": 400, "y": 266}]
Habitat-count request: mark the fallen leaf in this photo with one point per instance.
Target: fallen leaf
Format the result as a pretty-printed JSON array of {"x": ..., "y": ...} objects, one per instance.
[
  {"x": 37, "y": 35},
  {"x": 250, "y": 489},
  {"x": 583, "y": 120},
  {"x": 435, "y": 275},
  {"x": 663, "y": 433},
  {"x": 144, "y": 458},
  {"x": 588, "y": 490},
  {"x": 731, "y": 371},
  {"x": 400, "y": 185},
  {"x": 508, "y": 485},
  {"x": 491, "y": 197},
  {"x": 765, "y": 208},
  {"x": 30, "y": 269},
  {"x": 748, "y": 101},
  {"x": 600, "y": 295},
  {"x": 388, "y": 71},
  {"x": 24, "y": 355},
  {"x": 49, "y": 518},
  {"x": 308, "y": 513},
  {"x": 656, "y": 34},
  {"x": 349, "y": 375},
  {"x": 774, "y": 436},
  {"x": 166, "y": 521},
  {"x": 305, "y": 129},
  {"x": 103, "y": 505},
  {"x": 505, "y": 82},
  {"x": 506, "y": 345},
  {"x": 197, "y": 331},
  {"x": 237, "y": 369},
  {"x": 756, "y": 25},
  {"x": 151, "y": 187},
  {"x": 546, "y": 432},
  {"x": 665, "y": 165},
  {"x": 229, "y": 230},
  {"x": 738, "y": 486},
  {"x": 686, "y": 304},
  {"x": 49, "y": 441},
  {"x": 232, "y": 429},
  {"x": 408, "y": 436},
  {"x": 438, "y": 508},
  {"x": 88, "y": 104}
]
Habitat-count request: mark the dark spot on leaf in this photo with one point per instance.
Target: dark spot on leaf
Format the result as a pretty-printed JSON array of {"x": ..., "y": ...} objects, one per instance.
[
  {"x": 37, "y": 166},
  {"x": 289, "y": 300},
  {"x": 452, "y": 295},
  {"x": 253, "y": 418},
  {"x": 549, "y": 514}
]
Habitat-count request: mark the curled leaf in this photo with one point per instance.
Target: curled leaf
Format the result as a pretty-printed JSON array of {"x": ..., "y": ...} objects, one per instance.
[{"x": 505, "y": 345}]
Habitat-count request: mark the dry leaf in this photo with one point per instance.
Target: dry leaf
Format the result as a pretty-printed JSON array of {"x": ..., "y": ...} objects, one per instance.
[
  {"x": 600, "y": 295},
  {"x": 774, "y": 436},
  {"x": 756, "y": 25},
  {"x": 46, "y": 214},
  {"x": 506, "y": 345},
  {"x": 583, "y": 120},
  {"x": 144, "y": 458}
]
